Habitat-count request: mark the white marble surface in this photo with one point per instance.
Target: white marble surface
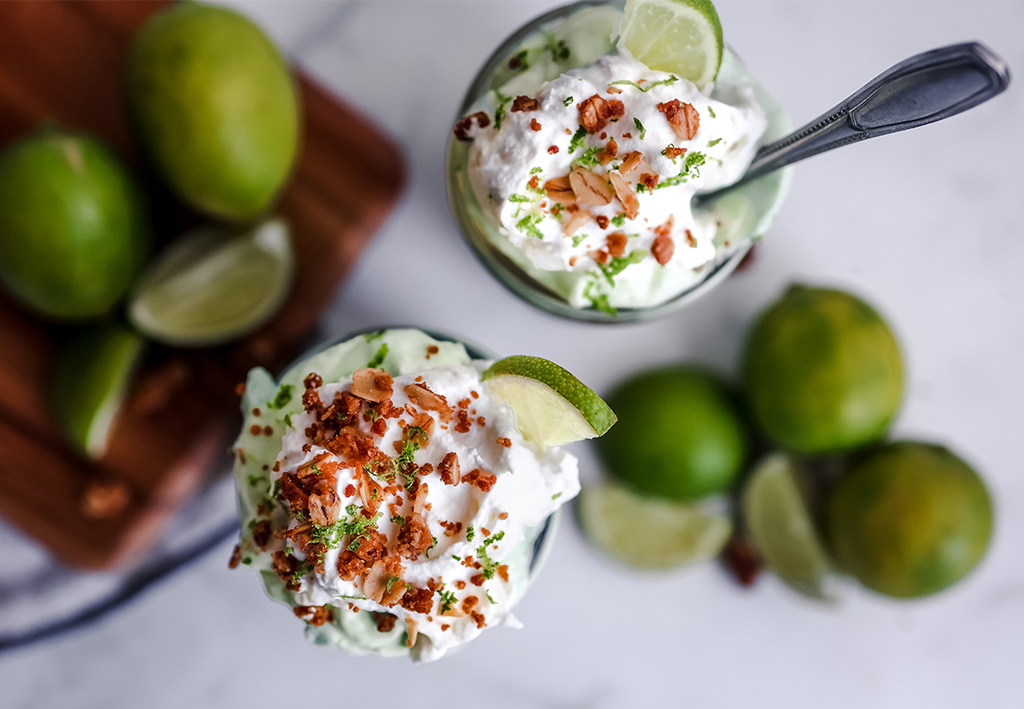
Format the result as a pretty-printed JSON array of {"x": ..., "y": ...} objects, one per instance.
[{"x": 926, "y": 225}]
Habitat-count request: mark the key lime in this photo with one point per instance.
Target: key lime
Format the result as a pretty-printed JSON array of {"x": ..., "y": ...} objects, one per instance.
[
  {"x": 215, "y": 107},
  {"x": 776, "y": 513},
  {"x": 91, "y": 376},
  {"x": 551, "y": 406},
  {"x": 909, "y": 520},
  {"x": 213, "y": 285},
  {"x": 822, "y": 372},
  {"x": 683, "y": 37},
  {"x": 73, "y": 229},
  {"x": 679, "y": 434},
  {"x": 650, "y": 533}
]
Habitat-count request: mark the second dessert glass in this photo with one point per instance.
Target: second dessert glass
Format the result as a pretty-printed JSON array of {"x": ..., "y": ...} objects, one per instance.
[{"x": 745, "y": 213}]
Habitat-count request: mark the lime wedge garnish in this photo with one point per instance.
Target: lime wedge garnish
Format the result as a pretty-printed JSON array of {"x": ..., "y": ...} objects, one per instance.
[
  {"x": 650, "y": 532},
  {"x": 682, "y": 37},
  {"x": 782, "y": 529},
  {"x": 212, "y": 285},
  {"x": 551, "y": 406},
  {"x": 90, "y": 378}
]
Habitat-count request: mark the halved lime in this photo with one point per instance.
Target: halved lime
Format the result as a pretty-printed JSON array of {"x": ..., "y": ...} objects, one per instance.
[
  {"x": 91, "y": 376},
  {"x": 683, "y": 37},
  {"x": 551, "y": 406},
  {"x": 213, "y": 285},
  {"x": 782, "y": 529},
  {"x": 649, "y": 532}
]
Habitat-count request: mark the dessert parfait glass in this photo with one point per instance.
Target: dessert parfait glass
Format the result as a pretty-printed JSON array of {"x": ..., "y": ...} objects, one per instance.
[
  {"x": 589, "y": 28},
  {"x": 357, "y": 632}
]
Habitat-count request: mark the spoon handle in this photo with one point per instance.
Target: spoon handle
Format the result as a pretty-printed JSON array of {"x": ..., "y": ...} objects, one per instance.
[{"x": 922, "y": 89}]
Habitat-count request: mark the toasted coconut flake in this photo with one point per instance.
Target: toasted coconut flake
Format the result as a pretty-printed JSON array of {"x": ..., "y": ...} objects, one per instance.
[
  {"x": 420, "y": 500},
  {"x": 691, "y": 120},
  {"x": 376, "y": 582},
  {"x": 560, "y": 190},
  {"x": 683, "y": 118},
  {"x": 412, "y": 630},
  {"x": 454, "y": 612},
  {"x": 424, "y": 422},
  {"x": 313, "y": 467},
  {"x": 370, "y": 492},
  {"x": 589, "y": 187},
  {"x": 372, "y": 384},
  {"x": 626, "y": 196},
  {"x": 324, "y": 508},
  {"x": 577, "y": 220},
  {"x": 398, "y": 589},
  {"x": 422, "y": 396},
  {"x": 449, "y": 470},
  {"x": 414, "y": 538},
  {"x": 631, "y": 162}
]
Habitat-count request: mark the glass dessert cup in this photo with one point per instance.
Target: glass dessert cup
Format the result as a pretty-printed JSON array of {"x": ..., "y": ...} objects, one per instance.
[
  {"x": 745, "y": 214},
  {"x": 355, "y": 631}
]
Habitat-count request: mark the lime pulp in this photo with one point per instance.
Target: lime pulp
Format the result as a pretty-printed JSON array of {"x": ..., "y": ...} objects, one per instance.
[
  {"x": 213, "y": 285},
  {"x": 648, "y": 532}
]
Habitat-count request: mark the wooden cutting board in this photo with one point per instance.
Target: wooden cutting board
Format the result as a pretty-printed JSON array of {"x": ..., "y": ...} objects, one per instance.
[{"x": 62, "y": 61}]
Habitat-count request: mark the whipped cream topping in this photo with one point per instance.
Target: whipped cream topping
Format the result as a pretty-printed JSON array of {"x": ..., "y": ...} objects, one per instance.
[
  {"x": 406, "y": 504},
  {"x": 629, "y": 238}
]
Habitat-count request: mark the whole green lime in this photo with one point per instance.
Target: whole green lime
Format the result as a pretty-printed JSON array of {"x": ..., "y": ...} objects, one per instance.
[
  {"x": 215, "y": 107},
  {"x": 678, "y": 436},
  {"x": 822, "y": 371},
  {"x": 910, "y": 520},
  {"x": 73, "y": 228}
]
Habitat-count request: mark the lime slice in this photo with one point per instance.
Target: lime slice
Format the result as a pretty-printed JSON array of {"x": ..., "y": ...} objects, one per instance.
[
  {"x": 648, "y": 532},
  {"x": 683, "y": 37},
  {"x": 551, "y": 406},
  {"x": 213, "y": 285},
  {"x": 90, "y": 379},
  {"x": 782, "y": 529}
]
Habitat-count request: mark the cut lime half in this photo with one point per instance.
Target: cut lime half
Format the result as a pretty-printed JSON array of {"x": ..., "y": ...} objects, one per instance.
[
  {"x": 782, "y": 529},
  {"x": 551, "y": 406},
  {"x": 648, "y": 532},
  {"x": 91, "y": 376},
  {"x": 682, "y": 37},
  {"x": 213, "y": 285}
]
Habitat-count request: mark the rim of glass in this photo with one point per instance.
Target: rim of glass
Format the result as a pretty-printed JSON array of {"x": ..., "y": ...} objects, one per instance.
[{"x": 506, "y": 271}]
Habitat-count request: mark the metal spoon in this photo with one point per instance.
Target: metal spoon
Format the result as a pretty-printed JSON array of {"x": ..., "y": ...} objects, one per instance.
[{"x": 922, "y": 89}]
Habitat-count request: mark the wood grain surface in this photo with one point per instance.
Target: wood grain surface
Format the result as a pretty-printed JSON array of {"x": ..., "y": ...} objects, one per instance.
[{"x": 62, "y": 62}]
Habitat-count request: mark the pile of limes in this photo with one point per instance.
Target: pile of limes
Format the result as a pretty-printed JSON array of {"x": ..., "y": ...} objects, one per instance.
[
  {"x": 214, "y": 107},
  {"x": 822, "y": 380}
]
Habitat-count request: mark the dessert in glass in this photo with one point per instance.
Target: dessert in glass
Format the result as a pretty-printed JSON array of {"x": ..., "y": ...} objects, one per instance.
[
  {"x": 387, "y": 494},
  {"x": 573, "y": 167}
]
